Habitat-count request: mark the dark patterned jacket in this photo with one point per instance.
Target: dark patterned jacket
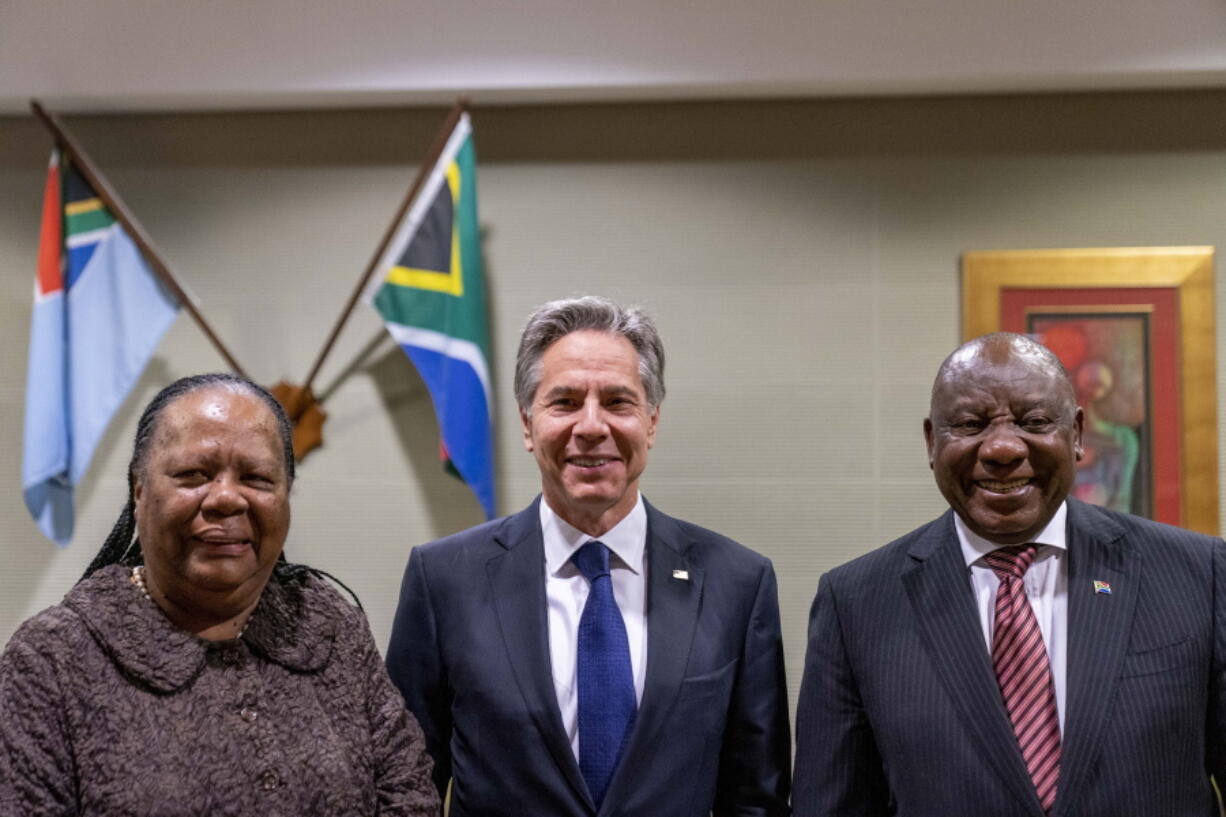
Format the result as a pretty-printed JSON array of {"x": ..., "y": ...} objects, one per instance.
[{"x": 108, "y": 709}]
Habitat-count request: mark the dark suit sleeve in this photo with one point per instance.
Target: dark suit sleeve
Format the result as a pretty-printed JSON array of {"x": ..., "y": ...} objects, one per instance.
[
  {"x": 754, "y": 777},
  {"x": 838, "y": 768},
  {"x": 1216, "y": 737},
  {"x": 416, "y": 667}
]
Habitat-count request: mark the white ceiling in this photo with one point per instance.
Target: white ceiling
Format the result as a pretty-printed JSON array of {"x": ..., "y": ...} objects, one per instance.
[{"x": 126, "y": 55}]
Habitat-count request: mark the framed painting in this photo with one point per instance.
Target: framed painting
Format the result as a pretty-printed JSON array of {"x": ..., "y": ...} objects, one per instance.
[{"x": 1134, "y": 327}]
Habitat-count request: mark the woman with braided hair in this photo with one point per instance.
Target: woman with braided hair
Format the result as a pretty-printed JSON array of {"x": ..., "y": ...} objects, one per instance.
[{"x": 193, "y": 671}]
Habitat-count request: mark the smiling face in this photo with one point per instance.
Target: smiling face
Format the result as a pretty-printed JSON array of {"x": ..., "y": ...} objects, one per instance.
[
  {"x": 212, "y": 498},
  {"x": 590, "y": 428},
  {"x": 1003, "y": 436}
]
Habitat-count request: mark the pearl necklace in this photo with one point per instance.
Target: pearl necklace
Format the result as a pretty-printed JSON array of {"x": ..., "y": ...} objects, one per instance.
[{"x": 138, "y": 581}]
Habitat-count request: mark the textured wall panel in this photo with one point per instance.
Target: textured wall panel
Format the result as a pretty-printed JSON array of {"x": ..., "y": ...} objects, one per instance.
[{"x": 805, "y": 295}]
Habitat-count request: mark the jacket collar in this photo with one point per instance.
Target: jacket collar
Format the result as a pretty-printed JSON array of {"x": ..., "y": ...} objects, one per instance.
[
  {"x": 294, "y": 625},
  {"x": 1098, "y": 626},
  {"x": 675, "y": 581}
]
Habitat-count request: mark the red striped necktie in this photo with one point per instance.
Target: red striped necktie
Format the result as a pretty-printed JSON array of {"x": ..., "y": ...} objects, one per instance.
[{"x": 1024, "y": 673}]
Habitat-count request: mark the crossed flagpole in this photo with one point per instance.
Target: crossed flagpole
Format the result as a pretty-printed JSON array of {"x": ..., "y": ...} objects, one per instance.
[
  {"x": 299, "y": 401},
  {"x": 302, "y": 406},
  {"x": 80, "y": 159}
]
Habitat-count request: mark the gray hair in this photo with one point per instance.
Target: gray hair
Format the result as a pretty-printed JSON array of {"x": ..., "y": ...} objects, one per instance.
[{"x": 552, "y": 321}]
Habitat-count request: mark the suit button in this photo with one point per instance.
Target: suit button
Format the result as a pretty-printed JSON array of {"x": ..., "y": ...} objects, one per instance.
[
  {"x": 248, "y": 714},
  {"x": 269, "y": 781}
]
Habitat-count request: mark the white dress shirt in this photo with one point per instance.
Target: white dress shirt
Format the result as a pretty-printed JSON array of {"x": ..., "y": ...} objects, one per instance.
[
  {"x": 566, "y": 592},
  {"x": 1046, "y": 584}
]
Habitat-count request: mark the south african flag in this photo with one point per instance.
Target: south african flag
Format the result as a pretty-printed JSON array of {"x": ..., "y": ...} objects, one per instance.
[{"x": 429, "y": 287}]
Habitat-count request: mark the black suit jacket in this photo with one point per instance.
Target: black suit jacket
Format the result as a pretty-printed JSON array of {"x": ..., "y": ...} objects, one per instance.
[
  {"x": 900, "y": 713},
  {"x": 470, "y": 652}
]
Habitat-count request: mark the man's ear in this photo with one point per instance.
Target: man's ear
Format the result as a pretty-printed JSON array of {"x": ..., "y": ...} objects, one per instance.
[
  {"x": 1079, "y": 420},
  {"x": 929, "y": 440},
  {"x": 526, "y": 423}
]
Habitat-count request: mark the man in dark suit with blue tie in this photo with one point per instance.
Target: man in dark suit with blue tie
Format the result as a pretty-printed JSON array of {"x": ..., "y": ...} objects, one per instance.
[
  {"x": 1024, "y": 654},
  {"x": 591, "y": 655}
]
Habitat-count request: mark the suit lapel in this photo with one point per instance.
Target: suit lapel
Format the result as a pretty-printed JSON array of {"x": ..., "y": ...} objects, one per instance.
[
  {"x": 674, "y": 596},
  {"x": 517, "y": 578},
  {"x": 937, "y": 585},
  {"x": 1098, "y": 629}
]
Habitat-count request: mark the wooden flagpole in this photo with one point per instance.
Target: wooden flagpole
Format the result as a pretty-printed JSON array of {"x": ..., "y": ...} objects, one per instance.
[
  {"x": 436, "y": 149},
  {"x": 113, "y": 203},
  {"x": 300, "y": 404}
]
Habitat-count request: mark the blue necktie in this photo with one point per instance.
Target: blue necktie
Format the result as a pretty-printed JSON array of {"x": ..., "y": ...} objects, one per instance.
[{"x": 606, "y": 681}]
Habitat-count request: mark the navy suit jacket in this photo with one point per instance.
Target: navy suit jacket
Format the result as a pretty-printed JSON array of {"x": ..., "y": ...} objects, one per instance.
[
  {"x": 470, "y": 652},
  {"x": 900, "y": 713}
]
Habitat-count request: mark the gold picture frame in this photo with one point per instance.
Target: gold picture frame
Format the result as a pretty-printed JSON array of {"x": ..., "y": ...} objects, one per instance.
[{"x": 1127, "y": 280}]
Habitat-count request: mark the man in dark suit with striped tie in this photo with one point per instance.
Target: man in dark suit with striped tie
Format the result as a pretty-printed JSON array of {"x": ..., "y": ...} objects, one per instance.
[
  {"x": 1025, "y": 654},
  {"x": 591, "y": 655}
]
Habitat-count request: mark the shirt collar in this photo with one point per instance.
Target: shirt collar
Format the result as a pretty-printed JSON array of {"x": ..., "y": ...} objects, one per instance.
[
  {"x": 627, "y": 539},
  {"x": 975, "y": 547}
]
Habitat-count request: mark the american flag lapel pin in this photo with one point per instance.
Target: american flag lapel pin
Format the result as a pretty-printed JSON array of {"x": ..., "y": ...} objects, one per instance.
[{"x": 1102, "y": 587}]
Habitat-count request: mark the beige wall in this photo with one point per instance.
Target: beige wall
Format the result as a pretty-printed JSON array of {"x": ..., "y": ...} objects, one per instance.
[{"x": 801, "y": 258}]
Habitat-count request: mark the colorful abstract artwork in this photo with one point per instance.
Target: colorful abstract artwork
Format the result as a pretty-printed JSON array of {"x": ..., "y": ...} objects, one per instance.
[
  {"x": 1134, "y": 327},
  {"x": 1107, "y": 359}
]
